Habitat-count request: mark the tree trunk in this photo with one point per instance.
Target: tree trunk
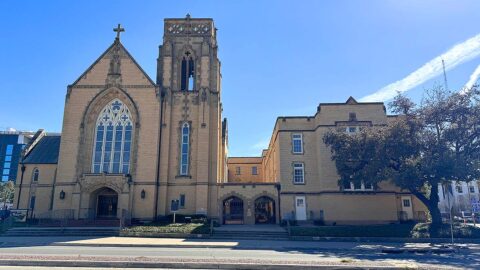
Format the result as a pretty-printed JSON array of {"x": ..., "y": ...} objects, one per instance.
[
  {"x": 431, "y": 203},
  {"x": 433, "y": 206}
]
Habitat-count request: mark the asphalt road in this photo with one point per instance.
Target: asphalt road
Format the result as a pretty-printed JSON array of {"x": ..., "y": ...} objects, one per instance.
[{"x": 464, "y": 259}]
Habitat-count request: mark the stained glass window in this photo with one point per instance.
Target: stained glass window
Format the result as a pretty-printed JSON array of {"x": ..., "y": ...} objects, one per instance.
[{"x": 113, "y": 137}]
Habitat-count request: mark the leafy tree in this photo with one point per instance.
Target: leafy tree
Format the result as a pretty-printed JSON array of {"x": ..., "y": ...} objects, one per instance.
[
  {"x": 435, "y": 142},
  {"x": 7, "y": 191}
]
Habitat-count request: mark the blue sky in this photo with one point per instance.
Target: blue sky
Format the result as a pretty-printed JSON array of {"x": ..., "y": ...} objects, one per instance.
[{"x": 278, "y": 57}]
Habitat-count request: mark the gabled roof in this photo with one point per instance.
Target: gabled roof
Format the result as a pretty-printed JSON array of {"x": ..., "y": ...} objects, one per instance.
[
  {"x": 45, "y": 151},
  {"x": 105, "y": 53},
  {"x": 351, "y": 100}
]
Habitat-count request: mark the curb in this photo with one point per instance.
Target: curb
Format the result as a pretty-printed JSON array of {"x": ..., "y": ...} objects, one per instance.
[
  {"x": 182, "y": 265},
  {"x": 140, "y": 245},
  {"x": 385, "y": 240}
]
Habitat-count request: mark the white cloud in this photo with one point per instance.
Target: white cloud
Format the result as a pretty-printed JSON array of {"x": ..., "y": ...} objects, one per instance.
[
  {"x": 262, "y": 144},
  {"x": 473, "y": 80},
  {"x": 455, "y": 56}
]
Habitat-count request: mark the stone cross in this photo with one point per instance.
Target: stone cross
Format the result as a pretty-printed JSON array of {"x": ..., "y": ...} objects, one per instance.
[{"x": 119, "y": 29}]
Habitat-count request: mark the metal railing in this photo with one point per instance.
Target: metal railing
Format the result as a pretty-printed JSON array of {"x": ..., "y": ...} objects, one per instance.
[{"x": 59, "y": 217}]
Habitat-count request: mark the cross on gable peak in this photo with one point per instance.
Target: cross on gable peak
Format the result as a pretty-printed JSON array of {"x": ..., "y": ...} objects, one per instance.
[{"x": 118, "y": 30}]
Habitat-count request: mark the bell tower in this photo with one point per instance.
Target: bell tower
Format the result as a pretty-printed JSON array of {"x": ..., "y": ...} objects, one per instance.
[{"x": 190, "y": 148}]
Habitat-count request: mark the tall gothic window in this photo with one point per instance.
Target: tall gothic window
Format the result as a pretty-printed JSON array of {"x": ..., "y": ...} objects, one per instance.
[
  {"x": 188, "y": 73},
  {"x": 113, "y": 139},
  {"x": 184, "y": 149}
]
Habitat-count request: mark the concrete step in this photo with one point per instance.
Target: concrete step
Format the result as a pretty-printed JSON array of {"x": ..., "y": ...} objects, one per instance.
[
  {"x": 255, "y": 235},
  {"x": 248, "y": 238}
]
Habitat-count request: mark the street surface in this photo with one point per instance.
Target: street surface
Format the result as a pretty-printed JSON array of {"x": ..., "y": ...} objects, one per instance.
[{"x": 240, "y": 252}]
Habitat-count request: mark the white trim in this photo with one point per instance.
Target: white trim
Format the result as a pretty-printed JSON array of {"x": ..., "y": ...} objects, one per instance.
[
  {"x": 302, "y": 168},
  {"x": 300, "y": 138}
]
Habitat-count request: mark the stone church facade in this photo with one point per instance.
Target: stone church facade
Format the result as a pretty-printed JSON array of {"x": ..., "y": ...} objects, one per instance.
[{"x": 131, "y": 147}]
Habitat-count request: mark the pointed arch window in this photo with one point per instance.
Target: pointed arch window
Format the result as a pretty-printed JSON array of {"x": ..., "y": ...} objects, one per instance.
[
  {"x": 113, "y": 139},
  {"x": 35, "y": 175},
  {"x": 185, "y": 147},
  {"x": 188, "y": 73}
]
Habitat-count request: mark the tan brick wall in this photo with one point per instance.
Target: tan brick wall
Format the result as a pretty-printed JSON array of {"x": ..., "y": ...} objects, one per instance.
[
  {"x": 41, "y": 189},
  {"x": 246, "y": 165}
]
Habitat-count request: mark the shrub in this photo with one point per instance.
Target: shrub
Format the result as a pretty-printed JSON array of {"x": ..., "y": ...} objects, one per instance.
[{"x": 171, "y": 228}]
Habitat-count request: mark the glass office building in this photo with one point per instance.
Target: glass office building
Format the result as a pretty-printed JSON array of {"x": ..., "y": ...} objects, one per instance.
[{"x": 11, "y": 146}]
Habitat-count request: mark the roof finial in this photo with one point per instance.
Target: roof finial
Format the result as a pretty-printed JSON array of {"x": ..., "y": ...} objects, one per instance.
[
  {"x": 119, "y": 29},
  {"x": 188, "y": 16}
]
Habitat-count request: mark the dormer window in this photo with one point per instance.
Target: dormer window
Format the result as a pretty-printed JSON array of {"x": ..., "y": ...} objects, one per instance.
[{"x": 188, "y": 73}]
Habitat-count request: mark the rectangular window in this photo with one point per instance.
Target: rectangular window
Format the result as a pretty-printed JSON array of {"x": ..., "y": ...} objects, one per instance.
[
  {"x": 347, "y": 185},
  {"x": 472, "y": 189},
  {"x": 6, "y": 165},
  {"x": 297, "y": 143},
  {"x": 352, "y": 117},
  {"x": 406, "y": 203},
  {"x": 32, "y": 202},
  {"x": 237, "y": 171},
  {"x": 357, "y": 186},
  {"x": 368, "y": 186},
  {"x": 254, "y": 170},
  {"x": 298, "y": 173},
  {"x": 459, "y": 189},
  {"x": 8, "y": 158},
  {"x": 182, "y": 201},
  {"x": 5, "y": 178},
  {"x": 351, "y": 130},
  {"x": 6, "y": 171},
  {"x": 350, "y": 186},
  {"x": 9, "y": 150}
]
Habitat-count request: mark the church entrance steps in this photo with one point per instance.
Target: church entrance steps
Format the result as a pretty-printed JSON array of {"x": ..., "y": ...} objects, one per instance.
[
  {"x": 256, "y": 232},
  {"x": 62, "y": 231}
]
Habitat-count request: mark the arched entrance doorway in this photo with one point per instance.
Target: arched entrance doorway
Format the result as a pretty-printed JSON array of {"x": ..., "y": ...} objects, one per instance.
[
  {"x": 265, "y": 210},
  {"x": 107, "y": 202},
  {"x": 233, "y": 210}
]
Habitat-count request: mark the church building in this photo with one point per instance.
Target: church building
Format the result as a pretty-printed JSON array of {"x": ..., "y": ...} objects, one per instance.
[{"x": 130, "y": 147}]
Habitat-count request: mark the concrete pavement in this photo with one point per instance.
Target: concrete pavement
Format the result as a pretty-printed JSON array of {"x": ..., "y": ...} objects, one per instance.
[
  {"x": 211, "y": 243},
  {"x": 122, "y": 252}
]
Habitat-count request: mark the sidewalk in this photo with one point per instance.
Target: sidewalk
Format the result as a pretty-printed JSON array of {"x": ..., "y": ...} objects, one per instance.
[{"x": 210, "y": 243}]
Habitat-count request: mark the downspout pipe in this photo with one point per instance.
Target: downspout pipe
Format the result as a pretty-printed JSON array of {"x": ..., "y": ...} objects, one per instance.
[
  {"x": 159, "y": 151},
  {"x": 21, "y": 183}
]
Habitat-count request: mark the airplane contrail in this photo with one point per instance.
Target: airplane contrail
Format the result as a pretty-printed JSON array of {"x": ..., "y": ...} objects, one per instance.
[
  {"x": 472, "y": 81},
  {"x": 455, "y": 56}
]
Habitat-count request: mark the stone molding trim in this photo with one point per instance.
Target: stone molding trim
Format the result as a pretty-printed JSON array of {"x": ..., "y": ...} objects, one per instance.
[
  {"x": 91, "y": 182},
  {"x": 87, "y": 128},
  {"x": 102, "y": 86}
]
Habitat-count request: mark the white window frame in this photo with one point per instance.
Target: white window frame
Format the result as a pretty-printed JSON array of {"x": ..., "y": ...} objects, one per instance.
[
  {"x": 298, "y": 166},
  {"x": 348, "y": 131},
  {"x": 297, "y": 137},
  {"x": 362, "y": 187}
]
